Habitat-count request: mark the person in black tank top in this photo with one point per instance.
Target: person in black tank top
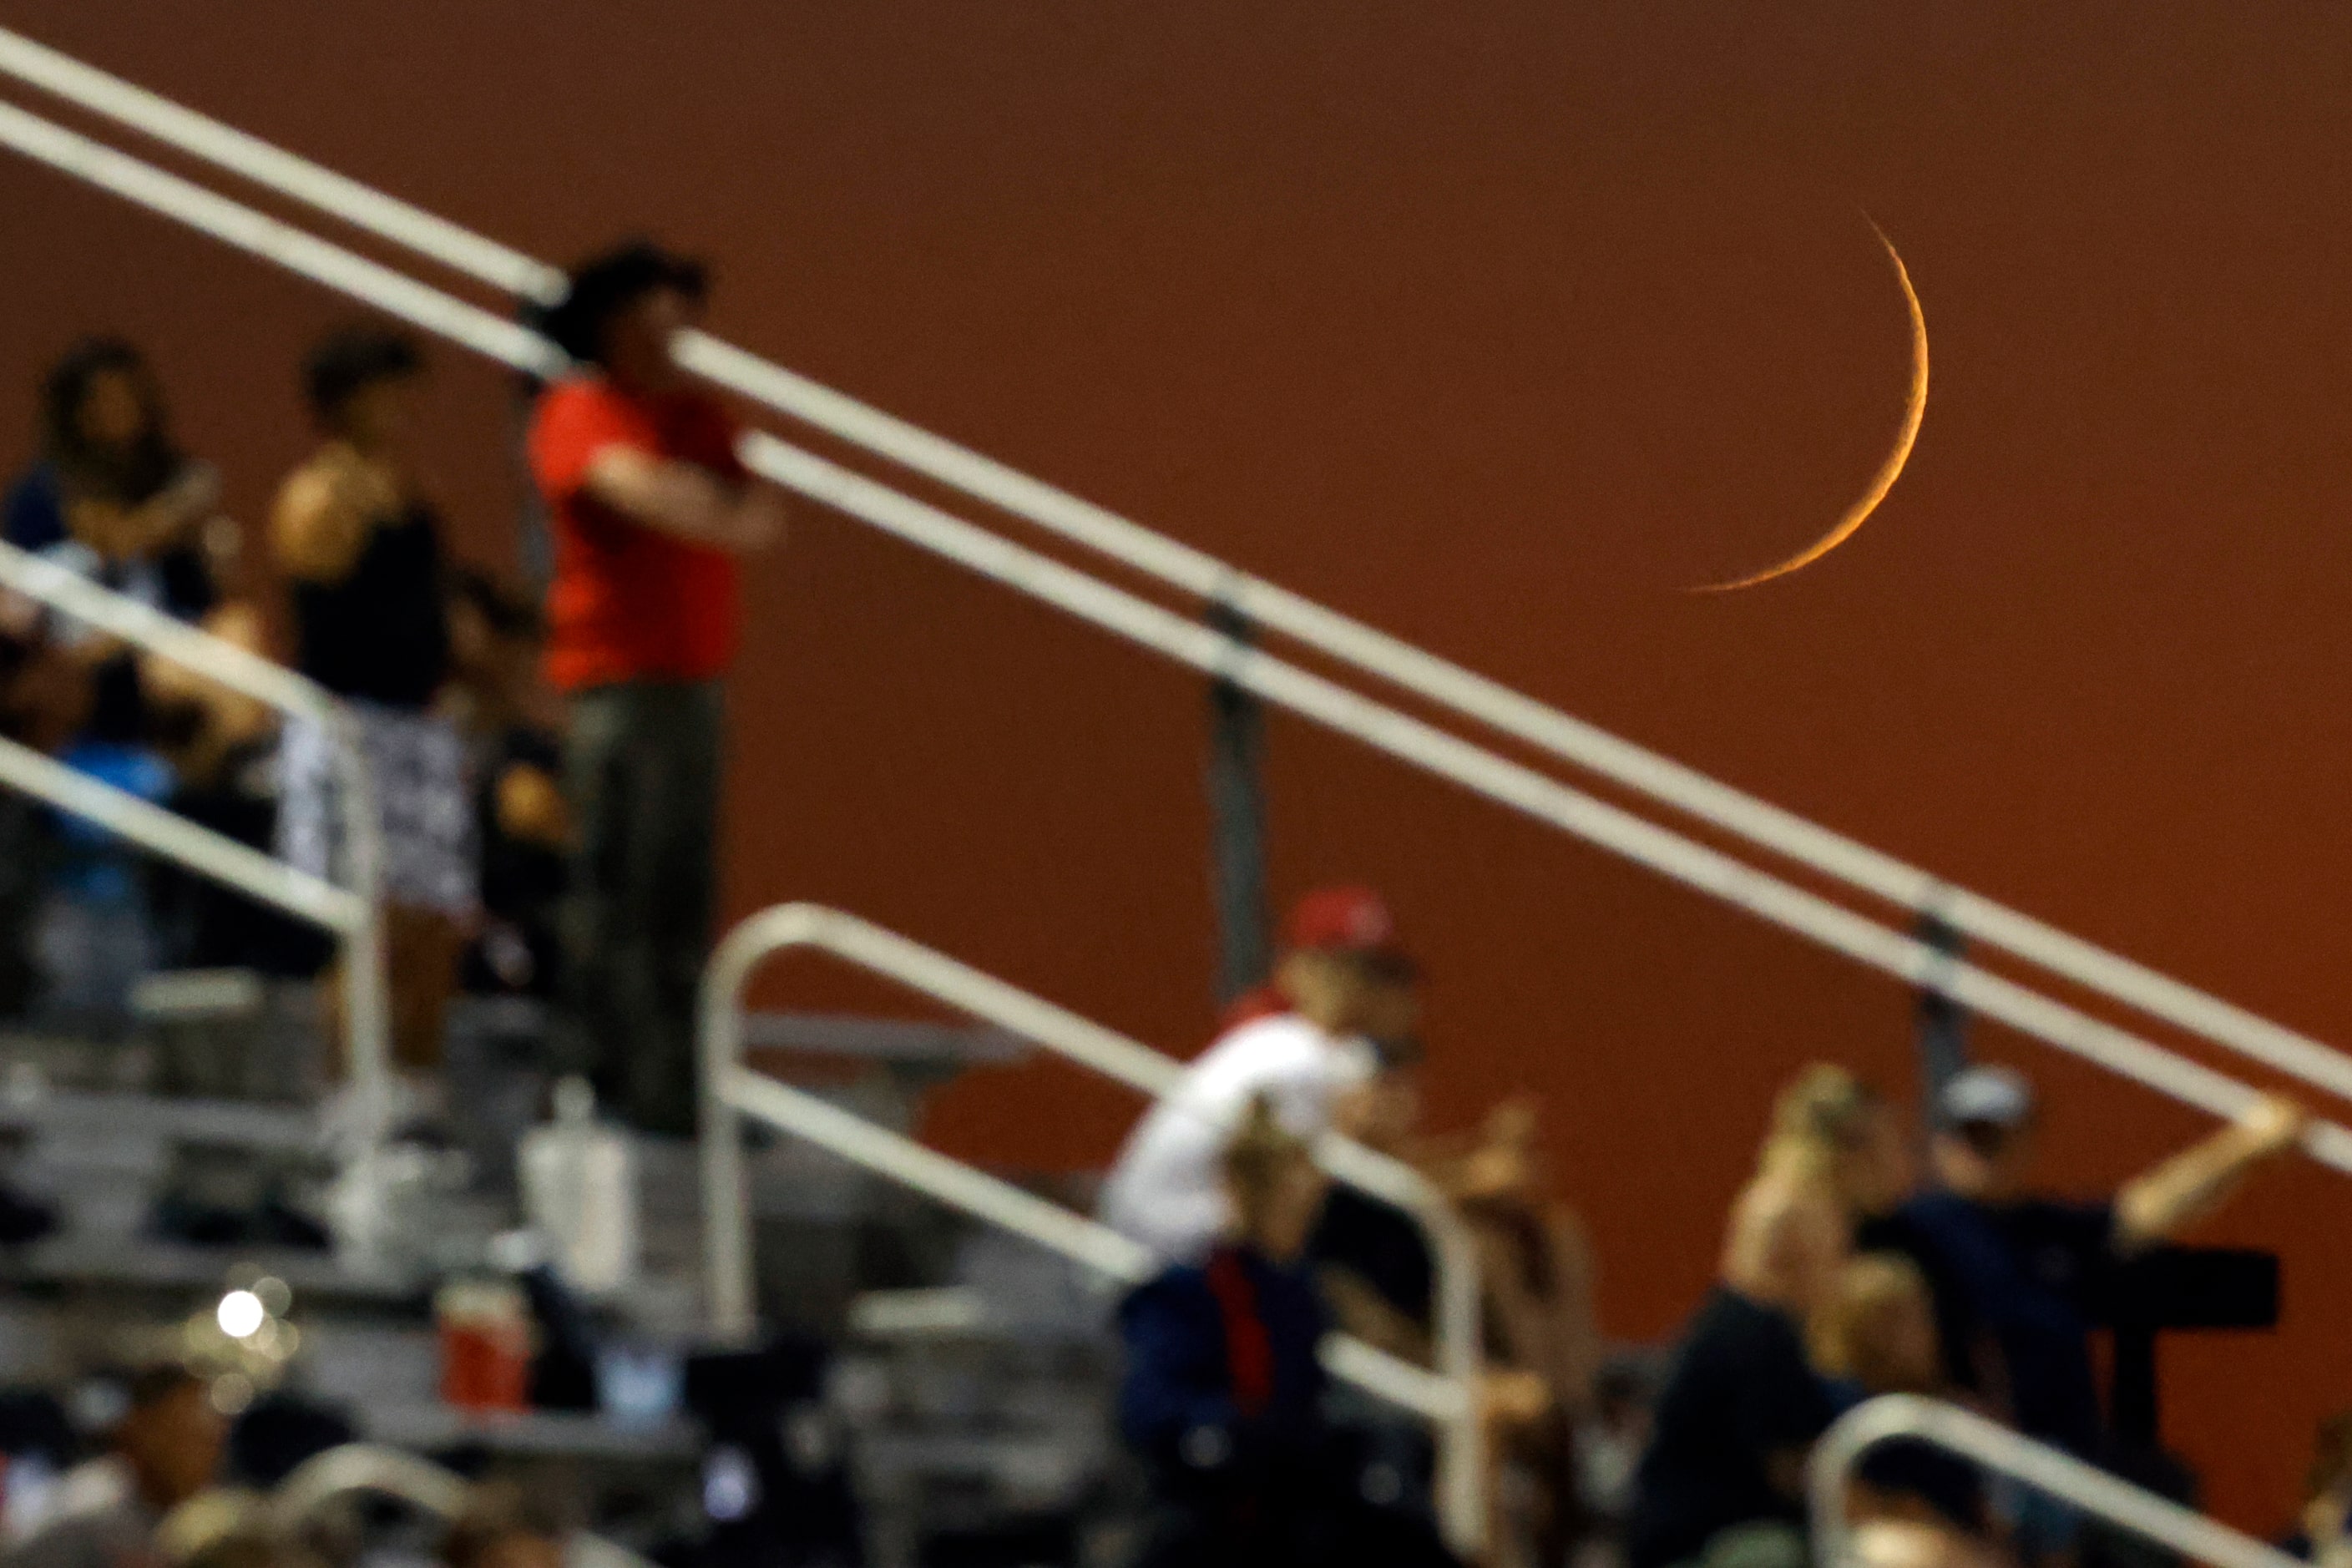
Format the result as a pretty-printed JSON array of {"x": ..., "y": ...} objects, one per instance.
[
  {"x": 381, "y": 632},
  {"x": 363, "y": 551}
]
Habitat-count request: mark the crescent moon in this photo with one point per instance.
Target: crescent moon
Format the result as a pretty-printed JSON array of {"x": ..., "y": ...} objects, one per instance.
[{"x": 1914, "y": 409}]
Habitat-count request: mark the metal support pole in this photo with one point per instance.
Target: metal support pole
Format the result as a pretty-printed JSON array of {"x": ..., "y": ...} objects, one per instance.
[
  {"x": 731, "y": 1299},
  {"x": 1237, "y": 821},
  {"x": 534, "y": 534},
  {"x": 1942, "y": 1029}
]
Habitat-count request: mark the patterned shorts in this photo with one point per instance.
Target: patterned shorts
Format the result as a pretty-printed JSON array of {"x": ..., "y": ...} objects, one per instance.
[{"x": 423, "y": 803}]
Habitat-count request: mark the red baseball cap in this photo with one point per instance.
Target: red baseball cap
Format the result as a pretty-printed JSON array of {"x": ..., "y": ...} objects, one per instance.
[{"x": 1351, "y": 919}]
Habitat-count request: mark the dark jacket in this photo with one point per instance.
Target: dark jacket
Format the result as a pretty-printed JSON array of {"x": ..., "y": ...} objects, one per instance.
[
  {"x": 1181, "y": 1408},
  {"x": 1740, "y": 1401},
  {"x": 1223, "y": 1401}
]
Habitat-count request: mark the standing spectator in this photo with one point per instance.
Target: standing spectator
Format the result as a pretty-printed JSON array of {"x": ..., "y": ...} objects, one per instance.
[
  {"x": 650, "y": 509},
  {"x": 363, "y": 548},
  {"x": 109, "y": 474},
  {"x": 164, "y": 1451},
  {"x": 114, "y": 500},
  {"x": 1223, "y": 1395},
  {"x": 1344, "y": 982},
  {"x": 1543, "y": 1344},
  {"x": 43, "y": 700},
  {"x": 2024, "y": 1264},
  {"x": 516, "y": 743},
  {"x": 1723, "y": 1481}
]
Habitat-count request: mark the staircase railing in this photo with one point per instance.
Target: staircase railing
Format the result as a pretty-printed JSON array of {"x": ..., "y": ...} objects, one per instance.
[
  {"x": 352, "y": 913},
  {"x": 1385, "y": 729},
  {"x": 1996, "y": 1448},
  {"x": 732, "y": 1090},
  {"x": 1366, "y": 649},
  {"x": 371, "y": 1469}
]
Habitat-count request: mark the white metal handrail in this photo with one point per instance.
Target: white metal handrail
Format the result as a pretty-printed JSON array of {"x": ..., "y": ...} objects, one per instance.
[
  {"x": 1352, "y": 642},
  {"x": 1383, "y": 728},
  {"x": 351, "y": 1468},
  {"x": 434, "y": 1489},
  {"x": 2037, "y": 1465},
  {"x": 1447, "y": 1397},
  {"x": 352, "y": 913}
]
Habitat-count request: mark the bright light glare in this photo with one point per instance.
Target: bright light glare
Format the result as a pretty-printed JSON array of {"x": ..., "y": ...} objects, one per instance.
[{"x": 241, "y": 1314}]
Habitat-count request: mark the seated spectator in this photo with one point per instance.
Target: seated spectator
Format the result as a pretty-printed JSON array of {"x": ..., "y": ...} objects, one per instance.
[
  {"x": 361, "y": 545},
  {"x": 515, "y": 740},
  {"x": 162, "y": 1452},
  {"x": 1223, "y": 1397},
  {"x": 2023, "y": 1265},
  {"x": 1876, "y": 1334},
  {"x": 1344, "y": 980},
  {"x": 1722, "y": 1480}
]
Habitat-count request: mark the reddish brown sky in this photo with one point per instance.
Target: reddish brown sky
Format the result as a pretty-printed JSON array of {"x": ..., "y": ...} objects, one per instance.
[{"x": 1495, "y": 324}]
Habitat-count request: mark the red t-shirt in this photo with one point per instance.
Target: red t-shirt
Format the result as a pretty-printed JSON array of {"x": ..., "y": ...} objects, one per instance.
[{"x": 629, "y": 602}]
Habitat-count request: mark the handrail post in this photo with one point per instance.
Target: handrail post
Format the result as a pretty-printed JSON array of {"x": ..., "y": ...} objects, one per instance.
[
  {"x": 731, "y": 1303},
  {"x": 1237, "y": 817},
  {"x": 1462, "y": 1448}
]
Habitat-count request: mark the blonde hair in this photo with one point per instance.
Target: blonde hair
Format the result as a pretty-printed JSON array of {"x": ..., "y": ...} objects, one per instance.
[
  {"x": 1865, "y": 1287},
  {"x": 1821, "y": 1116},
  {"x": 1260, "y": 1153}
]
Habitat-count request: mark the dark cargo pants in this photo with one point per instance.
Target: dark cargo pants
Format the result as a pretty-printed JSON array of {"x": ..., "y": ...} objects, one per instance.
[{"x": 641, "y": 766}]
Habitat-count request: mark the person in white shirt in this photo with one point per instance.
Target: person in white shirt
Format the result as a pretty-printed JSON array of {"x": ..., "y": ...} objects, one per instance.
[{"x": 1310, "y": 1043}]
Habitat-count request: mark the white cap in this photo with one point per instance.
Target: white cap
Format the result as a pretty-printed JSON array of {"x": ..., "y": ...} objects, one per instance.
[{"x": 1994, "y": 1096}]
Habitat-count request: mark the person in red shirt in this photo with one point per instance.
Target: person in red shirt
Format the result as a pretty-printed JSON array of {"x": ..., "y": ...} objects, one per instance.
[{"x": 651, "y": 509}]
